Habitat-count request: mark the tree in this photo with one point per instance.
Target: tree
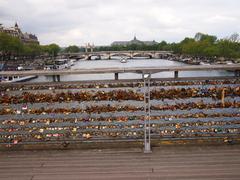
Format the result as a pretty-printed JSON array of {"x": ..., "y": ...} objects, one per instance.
[
  {"x": 13, "y": 47},
  {"x": 162, "y": 45},
  {"x": 4, "y": 42},
  {"x": 211, "y": 51},
  {"x": 16, "y": 46},
  {"x": 234, "y": 37},
  {"x": 205, "y": 37},
  {"x": 225, "y": 49},
  {"x": 72, "y": 49},
  {"x": 175, "y": 47},
  {"x": 52, "y": 49},
  {"x": 187, "y": 40},
  {"x": 33, "y": 49},
  {"x": 10, "y": 46}
]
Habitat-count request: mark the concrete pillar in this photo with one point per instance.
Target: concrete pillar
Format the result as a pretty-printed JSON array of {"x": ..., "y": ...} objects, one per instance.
[
  {"x": 131, "y": 55},
  {"x": 116, "y": 76},
  {"x": 175, "y": 74},
  {"x": 54, "y": 78},
  {"x": 58, "y": 78},
  {"x": 153, "y": 55},
  {"x": 237, "y": 73}
]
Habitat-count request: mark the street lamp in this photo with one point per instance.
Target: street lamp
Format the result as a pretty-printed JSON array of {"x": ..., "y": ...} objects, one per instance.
[{"x": 147, "y": 125}]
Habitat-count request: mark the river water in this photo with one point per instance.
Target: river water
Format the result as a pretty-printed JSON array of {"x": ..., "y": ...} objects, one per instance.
[{"x": 131, "y": 63}]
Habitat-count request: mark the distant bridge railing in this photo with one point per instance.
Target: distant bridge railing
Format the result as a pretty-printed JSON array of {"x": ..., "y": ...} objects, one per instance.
[
  {"x": 92, "y": 111},
  {"x": 110, "y": 54},
  {"x": 115, "y": 52},
  {"x": 140, "y": 70}
]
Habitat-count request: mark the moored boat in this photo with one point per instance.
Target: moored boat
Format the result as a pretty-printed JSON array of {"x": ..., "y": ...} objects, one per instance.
[{"x": 123, "y": 60}]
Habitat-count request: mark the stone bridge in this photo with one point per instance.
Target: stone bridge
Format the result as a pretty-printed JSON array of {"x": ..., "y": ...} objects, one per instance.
[{"x": 111, "y": 54}]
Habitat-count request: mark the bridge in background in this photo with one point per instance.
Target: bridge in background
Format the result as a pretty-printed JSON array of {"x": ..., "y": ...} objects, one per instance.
[{"x": 110, "y": 54}]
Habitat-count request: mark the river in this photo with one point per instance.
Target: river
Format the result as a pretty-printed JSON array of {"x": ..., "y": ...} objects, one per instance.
[{"x": 131, "y": 63}]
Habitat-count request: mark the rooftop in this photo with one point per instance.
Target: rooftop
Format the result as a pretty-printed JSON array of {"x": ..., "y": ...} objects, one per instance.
[{"x": 134, "y": 41}]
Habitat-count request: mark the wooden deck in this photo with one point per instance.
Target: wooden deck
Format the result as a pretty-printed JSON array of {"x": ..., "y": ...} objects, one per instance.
[{"x": 167, "y": 162}]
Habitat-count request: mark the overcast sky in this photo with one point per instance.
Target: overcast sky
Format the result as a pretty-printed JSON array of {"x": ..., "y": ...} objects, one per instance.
[{"x": 68, "y": 22}]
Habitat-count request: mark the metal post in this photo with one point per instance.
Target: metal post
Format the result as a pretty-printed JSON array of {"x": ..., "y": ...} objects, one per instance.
[{"x": 147, "y": 108}]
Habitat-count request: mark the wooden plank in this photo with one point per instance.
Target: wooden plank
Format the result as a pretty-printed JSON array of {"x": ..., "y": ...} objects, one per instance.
[{"x": 172, "y": 163}]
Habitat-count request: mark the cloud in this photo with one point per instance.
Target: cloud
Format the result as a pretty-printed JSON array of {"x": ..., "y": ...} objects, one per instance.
[
  {"x": 102, "y": 21},
  {"x": 221, "y": 19}
]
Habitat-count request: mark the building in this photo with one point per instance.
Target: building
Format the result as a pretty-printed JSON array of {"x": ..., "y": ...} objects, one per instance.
[
  {"x": 134, "y": 41},
  {"x": 16, "y": 32}
]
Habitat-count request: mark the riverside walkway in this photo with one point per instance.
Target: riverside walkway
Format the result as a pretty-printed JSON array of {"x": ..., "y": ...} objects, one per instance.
[{"x": 171, "y": 163}]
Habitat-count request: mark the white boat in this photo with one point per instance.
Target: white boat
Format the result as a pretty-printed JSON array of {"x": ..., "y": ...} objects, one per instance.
[
  {"x": 123, "y": 60},
  {"x": 61, "y": 64},
  {"x": 71, "y": 62},
  {"x": 229, "y": 62},
  {"x": 49, "y": 67},
  {"x": 12, "y": 79},
  {"x": 204, "y": 63}
]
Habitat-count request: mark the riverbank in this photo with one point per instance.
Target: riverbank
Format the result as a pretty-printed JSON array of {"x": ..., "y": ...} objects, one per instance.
[
  {"x": 39, "y": 63},
  {"x": 192, "y": 60}
]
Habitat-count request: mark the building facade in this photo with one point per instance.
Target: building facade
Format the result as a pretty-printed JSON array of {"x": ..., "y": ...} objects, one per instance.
[
  {"x": 134, "y": 41},
  {"x": 16, "y": 32}
]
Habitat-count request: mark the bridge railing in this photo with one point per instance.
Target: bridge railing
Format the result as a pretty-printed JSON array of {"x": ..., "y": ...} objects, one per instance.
[{"x": 65, "y": 112}]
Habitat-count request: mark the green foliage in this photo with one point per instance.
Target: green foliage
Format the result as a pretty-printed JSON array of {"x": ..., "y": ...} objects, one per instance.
[
  {"x": 229, "y": 49},
  {"x": 72, "y": 49},
  {"x": 13, "y": 46},
  {"x": 211, "y": 51},
  {"x": 205, "y": 37},
  {"x": 209, "y": 46},
  {"x": 51, "y": 49},
  {"x": 201, "y": 45},
  {"x": 32, "y": 49}
]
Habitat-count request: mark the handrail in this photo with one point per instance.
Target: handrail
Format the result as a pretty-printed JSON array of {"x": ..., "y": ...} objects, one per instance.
[
  {"x": 119, "y": 52},
  {"x": 122, "y": 70}
]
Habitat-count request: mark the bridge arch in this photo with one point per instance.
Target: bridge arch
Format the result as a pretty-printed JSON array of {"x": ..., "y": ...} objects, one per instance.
[
  {"x": 120, "y": 54},
  {"x": 89, "y": 56},
  {"x": 163, "y": 55},
  {"x": 149, "y": 55}
]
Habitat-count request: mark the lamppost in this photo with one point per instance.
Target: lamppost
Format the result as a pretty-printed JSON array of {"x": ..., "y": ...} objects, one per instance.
[{"x": 147, "y": 105}]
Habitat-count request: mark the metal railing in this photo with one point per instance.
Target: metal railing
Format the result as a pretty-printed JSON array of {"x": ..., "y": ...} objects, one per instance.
[{"x": 126, "y": 110}]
